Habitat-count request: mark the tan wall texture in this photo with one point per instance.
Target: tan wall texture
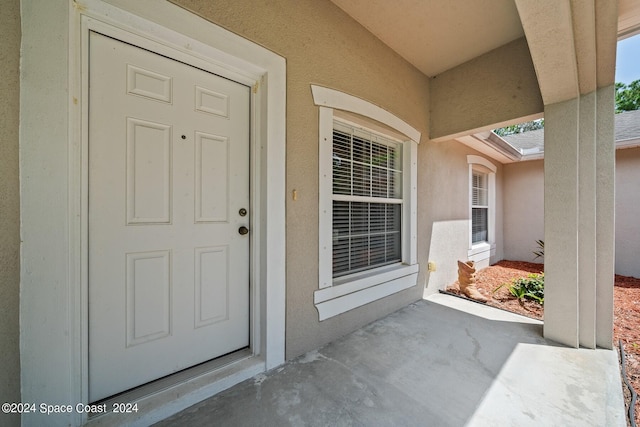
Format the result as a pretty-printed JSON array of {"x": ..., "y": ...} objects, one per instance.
[
  {"x": 9, "y": 207},
  {"x": 445, "y": 199},
  {"x": 499, "y": 87},
  {"x": 322, "y": 45},
  {"x": 628, "y": 212},
  {"x": 523, "y": 209}
]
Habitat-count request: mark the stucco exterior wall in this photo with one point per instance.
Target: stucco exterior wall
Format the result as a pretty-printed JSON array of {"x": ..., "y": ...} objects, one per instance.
[
  {"x": 444, "y": 191},
  {"x": 524, "y": 202},
  {"x": 498, "y": 87},
  {"x": 322, "y": 45},
  {"x": 9, "y": 207},
  {"x": 627, "y": 212},
  {"x": 523, "y": 209}
]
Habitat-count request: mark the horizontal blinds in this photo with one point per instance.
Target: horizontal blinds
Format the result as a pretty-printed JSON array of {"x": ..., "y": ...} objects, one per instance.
[
  {"x": 365, "y": 235},
  {"x": 365, "y": 164},
  {"x": 480, "y": 210},
  {"x": 367, "y": 207},
  {"x": 480, "y": 190},
  {"x": 479, "y": 224}
]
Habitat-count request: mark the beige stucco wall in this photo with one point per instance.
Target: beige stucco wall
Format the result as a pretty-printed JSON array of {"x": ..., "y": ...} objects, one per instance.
[
  {"x": 628, "y": 212},
  {"x": 523, "y": 209},
  {"x": 322, "y": 45},
  {"x": 445, "y": 193},
  {"x": 524, "y": 189},
  {"x": 9, "y": 207},
  {"x": 497, "y": 87}
]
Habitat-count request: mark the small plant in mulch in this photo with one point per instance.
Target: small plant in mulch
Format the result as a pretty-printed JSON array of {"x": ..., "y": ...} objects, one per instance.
[
  {"x": 530, "y": 287},
  {"x": 540, "y": 252}
]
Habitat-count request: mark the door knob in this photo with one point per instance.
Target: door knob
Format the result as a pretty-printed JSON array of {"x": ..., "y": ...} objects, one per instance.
[{"x": 243, "y": 230}]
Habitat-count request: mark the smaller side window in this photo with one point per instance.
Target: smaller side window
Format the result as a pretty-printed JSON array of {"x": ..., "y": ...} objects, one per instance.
[
  {"x": 479, "y": 207},
  {"x": 482, "y": 212}
]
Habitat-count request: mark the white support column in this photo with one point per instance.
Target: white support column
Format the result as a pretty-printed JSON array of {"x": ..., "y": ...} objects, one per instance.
[
  {"x": 573, "y": 45},
  {"x": 605, "y": 215},
  {"x": 587, "y": 221},
  {"x": 561, "y": 221},
  {"x": 579, "y": 220}
]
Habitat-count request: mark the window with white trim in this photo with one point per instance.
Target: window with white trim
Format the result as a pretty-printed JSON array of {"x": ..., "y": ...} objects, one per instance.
[
  {"x": 482, "y": 212},
  {"x": 479, "y": 207},
  {"x": 367, "y": 199},
  {"x": 367, "y": 227}
]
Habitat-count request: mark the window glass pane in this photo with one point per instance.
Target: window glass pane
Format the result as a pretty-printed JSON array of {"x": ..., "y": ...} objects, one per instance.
[
  {"x": 361, "y": 150},
  {"x": 379, "y": 155},
  {"x": 365, "y": 235},
  {"x": 479, "y": 189},
  {"x": 377, "y": 249},
  {"x": 393, "y": 244},
  {"x": 365, "y": 164},
  {"x": 359, "y": 218},
  {"x": 359, "y": 253},
  {"x": 341, "y": 252},
  {"x": 479, "y": 225},
  {"x": 341, "y": 219},
  {"x": 395, "y": 184},
  {"x": 379, "y": 182},
  {"x": 361, "y": 180},
  {"x": 341, "y": 176},
  {"x": 341, "y": 145}
]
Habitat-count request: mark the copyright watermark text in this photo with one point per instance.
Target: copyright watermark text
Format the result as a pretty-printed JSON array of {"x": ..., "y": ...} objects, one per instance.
[{"x": 79, "y": 408}]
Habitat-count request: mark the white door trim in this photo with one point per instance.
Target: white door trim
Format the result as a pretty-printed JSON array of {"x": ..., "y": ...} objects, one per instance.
[{"x": 54, "y": 275}]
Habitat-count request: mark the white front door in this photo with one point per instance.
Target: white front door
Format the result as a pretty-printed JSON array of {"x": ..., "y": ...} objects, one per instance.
[{"x": 168, "y": 200}]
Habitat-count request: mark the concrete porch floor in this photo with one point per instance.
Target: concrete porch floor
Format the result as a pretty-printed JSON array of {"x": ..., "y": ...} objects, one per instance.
[{"x": 442, "y": 361}]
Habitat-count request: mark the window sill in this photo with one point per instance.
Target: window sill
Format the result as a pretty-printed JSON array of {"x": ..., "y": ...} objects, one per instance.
[
  {"x": 351, "y": 292},
  {"x": 481, "y": 251}
]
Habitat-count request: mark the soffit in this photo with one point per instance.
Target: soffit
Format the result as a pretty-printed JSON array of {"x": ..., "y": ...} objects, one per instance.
[
  {"x": 436, "y": 35},
  {"x": 628, "y": 18}
]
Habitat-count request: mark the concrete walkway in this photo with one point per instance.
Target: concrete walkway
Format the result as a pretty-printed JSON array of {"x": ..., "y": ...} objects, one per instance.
[{"x": 438, "y": 362}]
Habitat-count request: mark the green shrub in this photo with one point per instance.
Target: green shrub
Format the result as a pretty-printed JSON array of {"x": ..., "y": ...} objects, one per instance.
[{"x": 530, "y": 287}]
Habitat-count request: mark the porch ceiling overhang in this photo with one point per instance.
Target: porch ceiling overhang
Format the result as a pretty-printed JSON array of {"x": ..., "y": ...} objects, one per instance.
[
  {"x": 435, "y": 35},
  {"x": 573, "y": 48}
]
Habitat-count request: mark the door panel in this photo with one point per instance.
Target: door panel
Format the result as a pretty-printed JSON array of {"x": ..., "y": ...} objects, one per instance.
[{"x": 168, "y": 174}]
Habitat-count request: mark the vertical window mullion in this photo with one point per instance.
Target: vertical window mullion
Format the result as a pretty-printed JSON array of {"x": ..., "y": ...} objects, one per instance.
[
  {"x": 351, "y": 164},
  {"x": 349, "y": 236},
  {"x": 370, "y": 167},
  {"x": 386, "y": 234},
  {"x": 369, "y": 231}
]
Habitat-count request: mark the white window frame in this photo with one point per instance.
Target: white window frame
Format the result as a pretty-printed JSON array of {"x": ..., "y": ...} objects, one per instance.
[
  {"x": 339, "y": 295},
  {"x": 482, "y": 184},
  {"x": 482, "y": 251}
]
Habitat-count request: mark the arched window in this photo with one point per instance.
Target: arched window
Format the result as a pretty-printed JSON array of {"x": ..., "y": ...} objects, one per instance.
[{"x": 367, "y": 202}]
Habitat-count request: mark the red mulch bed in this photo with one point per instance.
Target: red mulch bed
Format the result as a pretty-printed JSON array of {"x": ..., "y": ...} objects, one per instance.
[{"x": 626, "y": 295}]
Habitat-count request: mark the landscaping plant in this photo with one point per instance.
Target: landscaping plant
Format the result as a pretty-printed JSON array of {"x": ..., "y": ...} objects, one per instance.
[
  {"x": 530, "y": 287},
  {"x": 540, "y": 252}
]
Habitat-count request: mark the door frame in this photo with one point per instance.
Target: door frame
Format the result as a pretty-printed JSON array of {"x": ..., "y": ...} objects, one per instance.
[{"x": 174, "y": 32}]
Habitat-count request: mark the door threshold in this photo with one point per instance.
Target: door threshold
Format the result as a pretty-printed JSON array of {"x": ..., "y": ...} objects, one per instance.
[{"x": 166, "y": 396}]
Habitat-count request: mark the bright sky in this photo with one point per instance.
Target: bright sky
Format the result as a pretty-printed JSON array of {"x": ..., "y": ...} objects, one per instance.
[{"x": 628, "y": 60}]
